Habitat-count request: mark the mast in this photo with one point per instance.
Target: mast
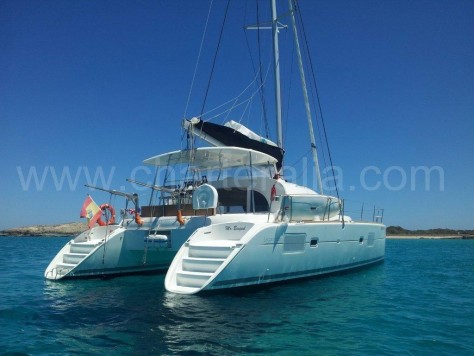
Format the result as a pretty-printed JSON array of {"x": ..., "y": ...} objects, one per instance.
[
  {"x": 276, "y": 59},
  {"x": 306, "y": 100}
]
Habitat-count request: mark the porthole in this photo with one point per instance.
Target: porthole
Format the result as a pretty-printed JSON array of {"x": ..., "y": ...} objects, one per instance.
[{"x": 314, "y": 242}]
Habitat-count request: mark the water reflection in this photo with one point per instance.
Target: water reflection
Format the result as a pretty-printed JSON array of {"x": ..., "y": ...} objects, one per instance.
[
  {"x": 140, "y": 316},
  {"x": 96, "y": 314},
  {"x": 213, "y": 324},
  {"x": 262, "y": 321},
  {"x": 403, "y": 305},
  {"x": 67, "y": 295}
]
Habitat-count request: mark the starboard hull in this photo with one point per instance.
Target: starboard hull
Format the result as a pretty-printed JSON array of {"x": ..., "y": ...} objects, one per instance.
[{"x": 270, "y": 253}]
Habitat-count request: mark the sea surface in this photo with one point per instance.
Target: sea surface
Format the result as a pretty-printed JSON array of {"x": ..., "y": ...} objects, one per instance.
[{"x": 420, "y": 301}]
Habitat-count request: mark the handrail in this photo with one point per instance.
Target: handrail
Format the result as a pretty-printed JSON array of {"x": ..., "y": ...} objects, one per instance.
[
  {"x": 327, "y": 210},
  {"x": 50, "y": 272},
  {"x": 310, "y": 207},
  {"x": 362, "y": 211}
]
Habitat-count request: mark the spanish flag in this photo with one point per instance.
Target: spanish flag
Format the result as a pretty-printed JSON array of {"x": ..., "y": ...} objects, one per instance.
[{"x": 91, "y": 211}]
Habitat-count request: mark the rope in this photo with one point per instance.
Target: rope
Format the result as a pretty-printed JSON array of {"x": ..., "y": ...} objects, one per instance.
[
  {"x": 230, "y": 101},
  {"x": 318, "y": 129},
  {"x": 198, "y": 59},
  {"x": 235, "y": 100},
  {"x": 152, "y": 213},
  {"x": 262, "y": 94},
  {"x": 289, "y": 95},
  {"x": 107, "y": 228},
  {"x": 215, "y": 57},
  {"x": 298, "y": 160},
  {"x": 318, "y": 99}
]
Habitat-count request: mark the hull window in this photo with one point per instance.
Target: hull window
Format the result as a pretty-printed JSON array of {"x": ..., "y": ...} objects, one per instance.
[
  {"x": 294, "y": 243},
  {"x": 371, "y": 239}
]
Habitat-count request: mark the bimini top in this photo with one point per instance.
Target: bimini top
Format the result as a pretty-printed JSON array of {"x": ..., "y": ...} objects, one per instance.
[{"x": 213, "y": 158}]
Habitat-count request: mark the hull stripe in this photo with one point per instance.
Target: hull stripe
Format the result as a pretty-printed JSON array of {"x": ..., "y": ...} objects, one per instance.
[
  {"x": 116, "y": 271},
  {"x": 292, "y": 275}
]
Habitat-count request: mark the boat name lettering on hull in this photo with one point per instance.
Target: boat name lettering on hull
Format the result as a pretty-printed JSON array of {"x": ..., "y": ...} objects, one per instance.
[{"x": 235, "y": 227}]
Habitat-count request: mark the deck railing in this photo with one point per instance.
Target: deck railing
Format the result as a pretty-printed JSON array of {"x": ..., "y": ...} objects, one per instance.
[
  {"x": 296, "y": 208},
  {"x": 359, "y": 211}
]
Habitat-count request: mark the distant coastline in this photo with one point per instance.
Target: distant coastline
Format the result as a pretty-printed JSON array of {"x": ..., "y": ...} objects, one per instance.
[
  {"x": 68, "y": 229},
  {"x": 398, "y": 232},
  {"x": 393, "y": 232},
  {"x": 440, "y": 237}
]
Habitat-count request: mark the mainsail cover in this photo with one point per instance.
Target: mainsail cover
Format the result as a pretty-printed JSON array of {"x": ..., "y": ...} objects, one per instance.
[{"x": 235, "y": 134}]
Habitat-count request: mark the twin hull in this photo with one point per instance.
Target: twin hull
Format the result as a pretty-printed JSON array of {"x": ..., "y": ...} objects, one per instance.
[
  {"x": 121, "y": 249},
  {"x": 241, "y": 254},
  {"x": 126, "y": 248}
]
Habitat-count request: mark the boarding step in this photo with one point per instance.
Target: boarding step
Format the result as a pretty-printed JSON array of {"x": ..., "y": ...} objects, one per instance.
[
  {"x": 192, "y": 279},
  {"x": 83, "y": 247},
  {"x": 194, "y": 264},
  {"x": 64, "y": 268},
  {"x": 74, "y": 258},
  {"x": 187, "y": 290},
  {"x": 211, "y": 249}
]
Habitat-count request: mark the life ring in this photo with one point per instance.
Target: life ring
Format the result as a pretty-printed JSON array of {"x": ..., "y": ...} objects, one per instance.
[{"x": 111, "y": 221}]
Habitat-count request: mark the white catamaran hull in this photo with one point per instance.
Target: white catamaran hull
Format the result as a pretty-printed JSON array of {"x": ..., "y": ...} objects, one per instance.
[
  {"x": 305, "y": 232},
  {"x": 121, "y": 249},
  {"x": 243, "y": 254},
  {"x": 105, "y": 251}
]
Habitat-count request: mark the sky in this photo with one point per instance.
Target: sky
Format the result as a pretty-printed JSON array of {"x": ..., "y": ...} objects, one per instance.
[{"x": 89, "y": 89}]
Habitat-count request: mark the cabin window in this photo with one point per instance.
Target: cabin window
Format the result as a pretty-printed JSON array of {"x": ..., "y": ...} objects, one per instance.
[
  {"x": 314, "y": 242},
  {"x": 361, "y": 240},
  {"x": 309, "y": 207},
  {"x": 234, "y": 201}
]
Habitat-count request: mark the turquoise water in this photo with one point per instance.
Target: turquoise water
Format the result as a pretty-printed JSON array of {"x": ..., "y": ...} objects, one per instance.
[{"x": 420, "y": 301}]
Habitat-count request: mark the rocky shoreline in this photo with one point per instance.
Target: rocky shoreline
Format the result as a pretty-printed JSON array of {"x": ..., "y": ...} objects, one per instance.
[
  {"x": 418, "y": 237},
  {"x": 68, "y": 229}
]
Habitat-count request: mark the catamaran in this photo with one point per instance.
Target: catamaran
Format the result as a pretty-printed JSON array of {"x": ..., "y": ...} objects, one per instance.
[
  {"x": 224, "y": 217},
  {"x": 281, "y": 231},
  {"x": 146, "y": 242}
]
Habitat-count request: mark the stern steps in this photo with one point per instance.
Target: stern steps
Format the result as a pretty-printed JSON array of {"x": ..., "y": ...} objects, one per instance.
[
  {"x": 78, "y": 251},
  {"x": 73, "y": 258},
  {"x": 209, "y": 265},
  {"x": 200, "y": 262}
]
